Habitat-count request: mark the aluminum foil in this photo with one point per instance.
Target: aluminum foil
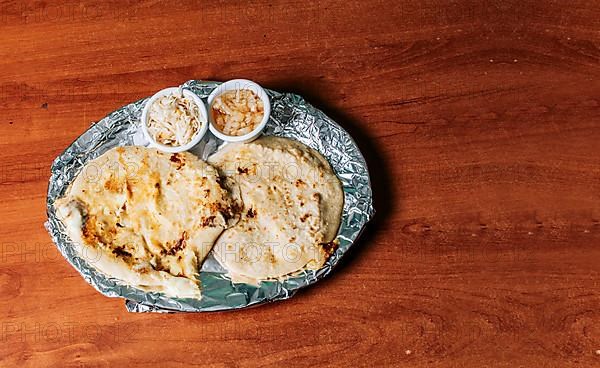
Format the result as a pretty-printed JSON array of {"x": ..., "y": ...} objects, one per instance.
[{"x": 291, "y": 117}]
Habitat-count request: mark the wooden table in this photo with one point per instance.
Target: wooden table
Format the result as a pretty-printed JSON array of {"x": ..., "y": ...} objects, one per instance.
[{"x": 481, "y": 125}]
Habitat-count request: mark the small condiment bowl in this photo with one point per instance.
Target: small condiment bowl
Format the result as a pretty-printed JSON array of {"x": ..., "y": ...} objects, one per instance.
[
  {"x": 233, "y": 85},
  {"x": 195, "y": 139}
]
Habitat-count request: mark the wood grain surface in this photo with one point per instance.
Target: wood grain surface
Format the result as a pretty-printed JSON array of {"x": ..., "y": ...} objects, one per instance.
[{"x": 480, "y": 121}]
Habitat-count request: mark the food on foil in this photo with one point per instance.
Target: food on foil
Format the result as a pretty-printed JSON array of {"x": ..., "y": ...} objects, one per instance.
[
  {"x": 237, "y": 112},
  {"x": 292, "y": 207},
  {"x": 173, "y": 120},
  {"x": 146, "y": 217}
]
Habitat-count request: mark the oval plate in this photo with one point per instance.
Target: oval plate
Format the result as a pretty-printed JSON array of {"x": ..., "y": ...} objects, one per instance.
[{"x": 291, "y": 117}]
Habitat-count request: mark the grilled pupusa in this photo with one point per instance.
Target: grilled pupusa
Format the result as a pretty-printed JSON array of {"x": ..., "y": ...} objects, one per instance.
[
  {"x": 146, "y": 217},
  {"x": 292, "y": 205}
]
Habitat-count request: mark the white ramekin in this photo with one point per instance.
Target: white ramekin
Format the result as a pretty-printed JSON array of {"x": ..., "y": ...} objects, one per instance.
[
  {"x": 236, "y": 84},
  {"x": 199, "y": 134}
]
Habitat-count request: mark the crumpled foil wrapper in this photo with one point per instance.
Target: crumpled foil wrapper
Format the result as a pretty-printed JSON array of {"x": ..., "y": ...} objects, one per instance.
[{"x": 291, "y": 117}]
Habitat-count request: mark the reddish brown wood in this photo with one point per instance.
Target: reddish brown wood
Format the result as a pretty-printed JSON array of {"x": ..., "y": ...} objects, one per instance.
[{"x": 480, "y": 122}]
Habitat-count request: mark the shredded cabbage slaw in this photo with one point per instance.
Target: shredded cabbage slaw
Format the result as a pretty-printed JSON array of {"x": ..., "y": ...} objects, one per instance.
[{"x": 174, "y": 120}]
